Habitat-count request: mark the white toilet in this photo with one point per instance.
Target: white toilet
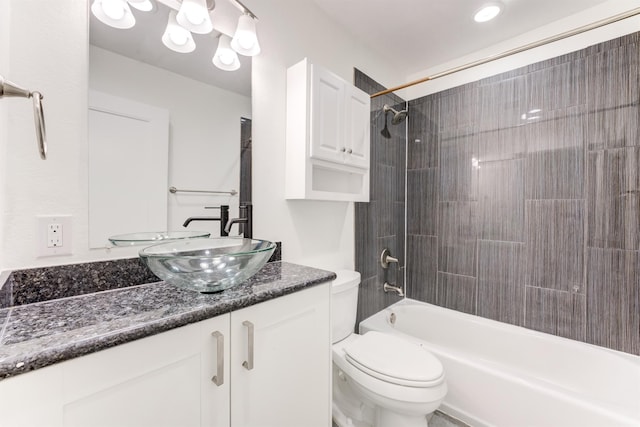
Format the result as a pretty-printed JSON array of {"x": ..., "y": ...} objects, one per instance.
[{"x": 379, "y": 379}]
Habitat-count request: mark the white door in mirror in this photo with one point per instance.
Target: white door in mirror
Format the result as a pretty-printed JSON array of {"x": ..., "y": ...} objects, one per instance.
[{"x": 128, "y": 167}]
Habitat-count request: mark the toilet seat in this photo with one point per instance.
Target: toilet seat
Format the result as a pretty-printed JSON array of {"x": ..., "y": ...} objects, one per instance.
[{"x": 394, "y": 360}]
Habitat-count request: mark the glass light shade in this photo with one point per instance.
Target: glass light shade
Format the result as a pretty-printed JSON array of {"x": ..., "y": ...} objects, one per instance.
[
  {"x": 194, "y": 16},
  {"x": 142, "y": 5},
  {"x": 487, "y": 12},
  {"x": 177, "y": 38},
  {"x": 114, "y": 13},
  {"x": 245, "y": 39},
  {"x": 226, "y": 58}
]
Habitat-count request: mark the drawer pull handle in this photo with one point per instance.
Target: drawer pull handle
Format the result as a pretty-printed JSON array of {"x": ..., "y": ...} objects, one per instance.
[
  {"x": 248, "y": 364},
  {"x": 218, "y": 378}
]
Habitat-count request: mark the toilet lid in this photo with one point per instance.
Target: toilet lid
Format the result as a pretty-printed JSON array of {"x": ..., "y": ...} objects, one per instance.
[{"x": 394, "y": 359}]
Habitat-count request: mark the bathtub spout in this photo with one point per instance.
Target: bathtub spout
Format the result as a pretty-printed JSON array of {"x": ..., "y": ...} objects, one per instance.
[{"x": 390, "y": 288}]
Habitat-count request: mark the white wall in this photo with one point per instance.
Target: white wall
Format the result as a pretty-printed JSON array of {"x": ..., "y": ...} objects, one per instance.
[
  {"x": 52, "y": 57},
  {"x": 313, "y": 233},
  {"x": 204, "y": 137},
  {"x": 49, "y": 52},
  {"x": 602, "y": 11},
  {"x": 5, "y": 26}
]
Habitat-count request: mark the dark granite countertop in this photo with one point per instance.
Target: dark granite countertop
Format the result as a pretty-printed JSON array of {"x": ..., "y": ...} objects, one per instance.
[{"x": 36, "y": 335}]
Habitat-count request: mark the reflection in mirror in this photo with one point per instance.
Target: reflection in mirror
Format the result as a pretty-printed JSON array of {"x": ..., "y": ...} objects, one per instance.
[{"x": 207, "y": 111}]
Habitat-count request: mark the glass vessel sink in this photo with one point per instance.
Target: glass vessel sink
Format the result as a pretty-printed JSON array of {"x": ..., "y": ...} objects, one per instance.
[
  {"x": 207, "y": 265},
  {"x": 153, "y": 237}
]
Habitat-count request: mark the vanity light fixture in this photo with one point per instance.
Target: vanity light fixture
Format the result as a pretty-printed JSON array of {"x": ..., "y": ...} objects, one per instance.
[
  {"x": 186, "y": 17},
  {"x": 176, "y": 37},
  {"x": 194, "y": 16},
  {"x": 115, "y": 13},
  {"x": 488, "y": 11},
  {"x": 142, "y": 5},
  {"x": 225, "y": 58},
  {"x": 245, "y": 39}
]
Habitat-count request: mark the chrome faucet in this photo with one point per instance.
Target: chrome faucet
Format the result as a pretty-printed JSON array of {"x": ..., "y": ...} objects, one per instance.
[
  {"x": 245, "y": 221},
  {"x": 223, "y": 218},
  {"x": 390, "y": 288}
]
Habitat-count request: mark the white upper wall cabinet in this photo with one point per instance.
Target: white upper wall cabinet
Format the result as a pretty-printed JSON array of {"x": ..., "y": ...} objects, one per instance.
[{"x": 328, "y": 132}]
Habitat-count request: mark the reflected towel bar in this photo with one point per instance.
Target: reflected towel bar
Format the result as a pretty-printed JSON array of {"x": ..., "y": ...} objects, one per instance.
[{"x": 174, "y": 190}]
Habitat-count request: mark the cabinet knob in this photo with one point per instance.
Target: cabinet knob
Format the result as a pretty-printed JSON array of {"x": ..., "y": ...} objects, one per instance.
[
  {"x": 343, "y": 149},
  {"x": 349, "y": 151}
]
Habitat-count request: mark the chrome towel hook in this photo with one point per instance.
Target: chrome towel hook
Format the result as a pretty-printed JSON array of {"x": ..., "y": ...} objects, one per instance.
[{"x": 9, "y": 89}]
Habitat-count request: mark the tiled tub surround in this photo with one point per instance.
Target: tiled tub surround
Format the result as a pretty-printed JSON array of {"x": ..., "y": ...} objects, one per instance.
[
  {"x": 379, "y": 224},
  {"x": 523, "y": 199},
  {"x": 37, "y": 335}
]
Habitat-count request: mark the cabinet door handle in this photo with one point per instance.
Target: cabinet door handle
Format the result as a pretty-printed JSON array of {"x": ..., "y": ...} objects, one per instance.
[
  {"x": 218, "y": 378},
  {"x": 248, "y": 364},
  {"x": 343, "y": 149},
  {"x": 349, "y": 151}
]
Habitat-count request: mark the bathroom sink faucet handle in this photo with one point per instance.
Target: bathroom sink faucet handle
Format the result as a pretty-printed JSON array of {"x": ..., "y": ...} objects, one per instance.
[{"x": 386, "y": 258}]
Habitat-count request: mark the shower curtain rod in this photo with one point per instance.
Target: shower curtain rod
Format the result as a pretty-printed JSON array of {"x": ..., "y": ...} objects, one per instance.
[{"x": 510, "y": 52}]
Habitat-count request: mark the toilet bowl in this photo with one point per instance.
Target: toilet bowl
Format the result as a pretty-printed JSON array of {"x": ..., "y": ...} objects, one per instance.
[{"x": 380, "y": 380}]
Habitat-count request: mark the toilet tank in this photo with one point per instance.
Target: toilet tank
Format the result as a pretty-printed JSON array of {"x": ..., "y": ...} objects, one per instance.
[{"x": 344, "y": 303}]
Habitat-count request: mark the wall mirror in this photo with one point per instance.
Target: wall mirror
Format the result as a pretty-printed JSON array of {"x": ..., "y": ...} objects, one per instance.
[{"x": 160, "y": 119}]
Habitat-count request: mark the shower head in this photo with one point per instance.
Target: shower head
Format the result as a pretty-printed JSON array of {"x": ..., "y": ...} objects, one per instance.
[{"x": 398, "y": 116}]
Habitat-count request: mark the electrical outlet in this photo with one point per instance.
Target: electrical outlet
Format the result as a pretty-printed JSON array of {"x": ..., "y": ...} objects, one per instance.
[{"x": 54, "y": 235}]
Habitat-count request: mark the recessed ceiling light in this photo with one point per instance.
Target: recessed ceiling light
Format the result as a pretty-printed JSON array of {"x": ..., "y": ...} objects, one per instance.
[{"x": 488, "y": 12}]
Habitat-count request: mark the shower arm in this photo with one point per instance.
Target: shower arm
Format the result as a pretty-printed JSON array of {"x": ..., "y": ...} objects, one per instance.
[{"x": 9, "y": 89}]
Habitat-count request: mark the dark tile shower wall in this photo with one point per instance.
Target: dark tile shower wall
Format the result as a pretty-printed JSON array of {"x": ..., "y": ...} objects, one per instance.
[
  {"x": 523, "y": 196},
  {"x": 380, "y": 223}
]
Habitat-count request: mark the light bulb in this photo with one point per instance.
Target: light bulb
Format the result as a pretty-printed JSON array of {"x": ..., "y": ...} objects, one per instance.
[
  {"x": 177, "y": 38},
  {"x": 487, "y": 12},
  {"x": 245, "y": 39},
  {"x": 115, "y": 13},
  {"x": 114, "y": 9},
  {"x": 194, "y": 16},
  {"x": 225, "y": 58}
]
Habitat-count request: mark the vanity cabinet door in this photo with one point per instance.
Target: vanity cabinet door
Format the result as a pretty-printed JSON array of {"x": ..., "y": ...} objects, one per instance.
[
  {"x": 287, "y": 382},
  {"x": 162, "y": 380}
]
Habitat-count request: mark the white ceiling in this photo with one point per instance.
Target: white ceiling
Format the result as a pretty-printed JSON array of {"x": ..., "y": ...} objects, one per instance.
[
  {"x": 419, "y": 34},
  {"x": 413, "y": 34}
]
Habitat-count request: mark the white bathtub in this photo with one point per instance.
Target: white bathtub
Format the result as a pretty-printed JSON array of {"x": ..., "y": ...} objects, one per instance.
[{"x": 507, "y": 376}]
